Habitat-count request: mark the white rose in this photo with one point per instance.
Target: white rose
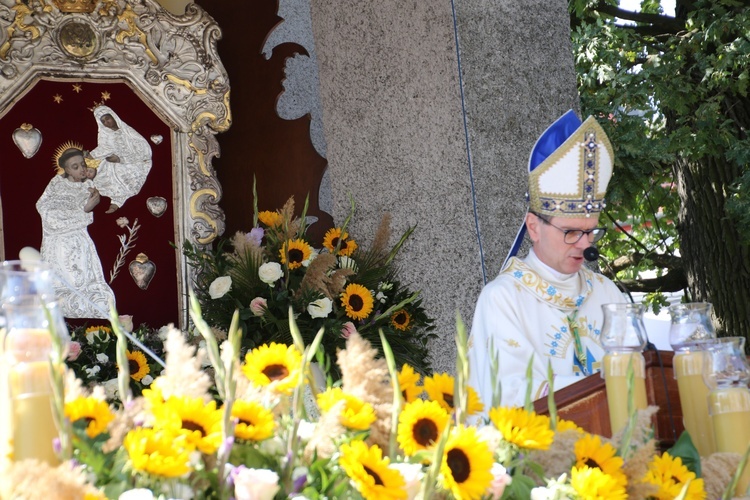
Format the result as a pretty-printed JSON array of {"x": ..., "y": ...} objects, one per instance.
[
  {"x": 102, "y": 358},
  {"x": 93, "y": 370},
  {"x": 147, "y": 380},
  {"x": 500, "y": 479},
  {"x": 311, "y": 258},
  {"x": 256, "y": 484},
  {"x": 137, "y": 494},
  {"x": 29, "y": 254},
  {"x": 413, "y": 475},
  {"x": 110, "y": 388},
  {"x": 219, "y": 287},
  {"x": 305, "y": 430},
  {"x": 270, "y": 272},
  {"x": 320, "y": 308},
  {"x": 126, "y": 321},
  {"x": 163, "y": 332}
]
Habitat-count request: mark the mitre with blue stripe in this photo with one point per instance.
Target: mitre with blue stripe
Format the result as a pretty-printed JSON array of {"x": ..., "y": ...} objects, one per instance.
[{"x": 569, "y": 169}]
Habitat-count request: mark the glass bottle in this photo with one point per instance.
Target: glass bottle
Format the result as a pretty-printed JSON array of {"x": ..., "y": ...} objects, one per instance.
[
  {"x": 27, "y": 350},
  {"x": 623, "y": 337},
  {"x": 17, "y": 279},
  {"x": 689, "y": 331},
  {"x": 727, "y": 373}
]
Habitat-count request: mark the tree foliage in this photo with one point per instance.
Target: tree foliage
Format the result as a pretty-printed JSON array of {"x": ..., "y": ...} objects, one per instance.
[{"x": 672, "y": 95}]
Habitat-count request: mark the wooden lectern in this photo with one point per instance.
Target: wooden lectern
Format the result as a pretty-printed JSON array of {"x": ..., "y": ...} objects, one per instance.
[{"x": 585, "y": 402}]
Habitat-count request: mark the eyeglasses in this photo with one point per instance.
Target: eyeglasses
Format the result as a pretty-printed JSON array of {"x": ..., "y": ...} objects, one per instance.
[{"x": 572, "y": 236}]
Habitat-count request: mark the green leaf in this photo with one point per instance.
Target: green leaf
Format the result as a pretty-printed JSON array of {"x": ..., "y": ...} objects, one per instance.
[{"x": 688, "y": 453}]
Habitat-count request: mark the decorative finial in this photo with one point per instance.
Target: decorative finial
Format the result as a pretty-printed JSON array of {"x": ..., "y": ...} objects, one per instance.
[{"x": 84, "y": 6}]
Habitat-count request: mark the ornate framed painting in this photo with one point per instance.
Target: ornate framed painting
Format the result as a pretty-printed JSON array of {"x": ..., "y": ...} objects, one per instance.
[{"x": 108, "y": 116}]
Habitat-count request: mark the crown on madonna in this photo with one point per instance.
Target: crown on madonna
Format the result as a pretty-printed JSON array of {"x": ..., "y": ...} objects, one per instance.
[{"x": 569, "y": 168}]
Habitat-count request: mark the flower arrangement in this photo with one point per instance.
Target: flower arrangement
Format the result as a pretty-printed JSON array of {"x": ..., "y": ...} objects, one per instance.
[
  {"x": 92, "y": 356},
  {"x": 342, "y": 287},
  {"x": 381, "y": 433}
]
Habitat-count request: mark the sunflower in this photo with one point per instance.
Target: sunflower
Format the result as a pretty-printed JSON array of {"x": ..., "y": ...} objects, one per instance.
[
  {"x": 99, "y": 329},
  {"x": 158, "y": 452},
  {"x": 440, "y": 388},
  {"x": 370, "y": 473},
  {"x": 408, "y": 381},
  {"x": 298, "y": 252},
  {"x": 256, "y": 423},
  {"x": 670, "y": 475},
  {"x": 357, "y": 300},
  {"x": 420, "y": 425},
  {"x": 276, "y": 364},
  {"x": 592, "y": 484},
  {"x": 522, "y": 428},
  {"x": 94, "y": 411},
  {"x": 199, "y": 422},
  {"x": 567, "y": 425},
  {"x": 467, "y": 464},
  {"x": 401, "y": 320},
  {"x": 591, "y": 452},
  {"x": 270, "y": 219},
  {"x": 355, "y": 415},
  {"x": 137, "y": 365},
  {"x": 335, "y": 236}
]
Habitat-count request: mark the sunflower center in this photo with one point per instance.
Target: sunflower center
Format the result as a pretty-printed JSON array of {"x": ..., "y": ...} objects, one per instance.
[
  {"x": 459, "y": 465},
  {"x": 400, "y": 318},
  {"x": 425, "y": 432},
  {"x": 448, "y": 398},
  {"x": 592, "y": 463},
  {"x": 356, "y": 303},
  {"x": 192, "y": 426},
  {"x": 296, "y": 255},
  {"x": 133, "y": 366},
  {"x": 275, "y": 372},
  {"x": 373, "y": 475},
  {"x": 334, "y": 242}
]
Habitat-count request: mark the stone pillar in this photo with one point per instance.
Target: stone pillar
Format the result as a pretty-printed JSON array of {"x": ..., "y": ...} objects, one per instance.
[{"x": 395, "y": 122}]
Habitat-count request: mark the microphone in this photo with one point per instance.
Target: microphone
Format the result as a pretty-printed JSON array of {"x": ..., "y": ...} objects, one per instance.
[{"x": 591, "y": 254}]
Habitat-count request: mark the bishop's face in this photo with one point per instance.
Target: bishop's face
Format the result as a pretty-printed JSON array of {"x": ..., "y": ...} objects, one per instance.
[{"x": 549, "y": 240}]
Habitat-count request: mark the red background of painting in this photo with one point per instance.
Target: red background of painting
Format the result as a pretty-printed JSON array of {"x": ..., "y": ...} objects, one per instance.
[{"x": 22, "y": 182}]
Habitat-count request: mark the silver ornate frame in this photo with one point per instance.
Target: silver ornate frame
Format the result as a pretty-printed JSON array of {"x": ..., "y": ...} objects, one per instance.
[{"x": 169, "y": 60}]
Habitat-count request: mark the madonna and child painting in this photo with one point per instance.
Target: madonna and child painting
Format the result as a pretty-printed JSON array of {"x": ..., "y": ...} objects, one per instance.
[{"x": 95, "y": 194}]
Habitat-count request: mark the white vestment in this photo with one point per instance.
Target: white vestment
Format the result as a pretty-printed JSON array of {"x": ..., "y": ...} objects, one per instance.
[
  {"x": 529, "y": 310},
  {"x": 120, "y": 180},
  {"x": 70, "y": 251}
]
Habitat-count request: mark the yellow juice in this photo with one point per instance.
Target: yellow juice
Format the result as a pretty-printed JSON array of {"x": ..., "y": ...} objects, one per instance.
[
  {"x": 33, "y": 428},
  {"x": 615, "y": 370},
  {"x": 730, "y": 414},
  {"x": 688, "y": 368},
  {"x": 6, "y": 431}
]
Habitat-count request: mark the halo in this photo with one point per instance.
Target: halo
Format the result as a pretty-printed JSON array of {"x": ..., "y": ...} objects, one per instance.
[{"x": 60, "y": 150}]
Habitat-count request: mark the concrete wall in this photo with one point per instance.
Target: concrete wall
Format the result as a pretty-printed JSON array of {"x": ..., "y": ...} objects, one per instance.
[{"x": 435, "y": 135}]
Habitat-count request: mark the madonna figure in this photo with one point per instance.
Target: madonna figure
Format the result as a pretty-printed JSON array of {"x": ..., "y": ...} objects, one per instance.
[
  {"x": 123, "y": 157},
  {"x": 65, "y": 208}
]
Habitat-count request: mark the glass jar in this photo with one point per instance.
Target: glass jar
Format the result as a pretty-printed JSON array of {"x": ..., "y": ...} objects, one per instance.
[{"x": 623, "y": 337}]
